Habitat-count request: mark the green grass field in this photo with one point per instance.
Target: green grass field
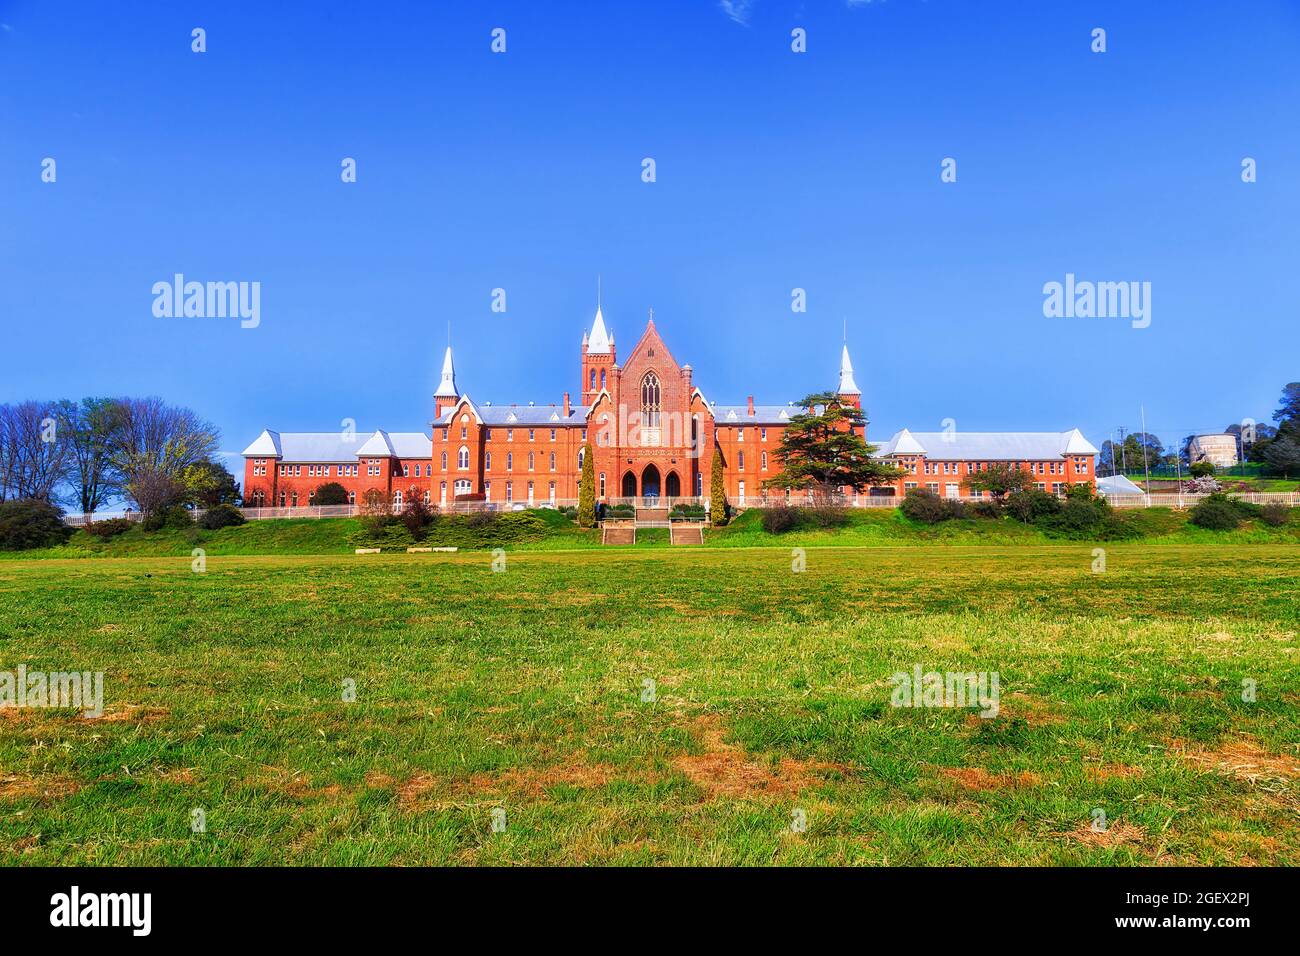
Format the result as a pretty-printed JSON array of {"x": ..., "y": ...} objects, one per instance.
[
  {"x": 867, "y": 528},
  {"x": 522, "y": 690}
]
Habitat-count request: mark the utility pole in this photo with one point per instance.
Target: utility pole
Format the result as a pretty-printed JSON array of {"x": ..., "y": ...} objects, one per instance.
[
  {"x": 1123, "y": 453},
  {"x": 1146, "y": 466}
]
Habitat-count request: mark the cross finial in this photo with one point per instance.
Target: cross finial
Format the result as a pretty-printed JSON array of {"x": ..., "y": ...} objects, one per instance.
[{"x": 652, "y": 314}]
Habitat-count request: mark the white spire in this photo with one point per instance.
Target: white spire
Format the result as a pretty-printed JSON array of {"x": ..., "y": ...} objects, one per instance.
[
  {"x": 598, "y": 342},
  {"x": 847, "y": 385},
  {"x": 447, "y": 387}
]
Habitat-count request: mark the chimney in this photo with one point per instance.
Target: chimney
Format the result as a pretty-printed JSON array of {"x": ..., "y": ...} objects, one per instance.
[
  {"x": 751, "y": 405},
  {"x": 566, "y": 404}
]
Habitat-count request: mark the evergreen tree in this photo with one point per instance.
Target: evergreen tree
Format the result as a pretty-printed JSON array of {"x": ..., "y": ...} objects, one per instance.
[
  {"x": 822, "y": 451},
  {"x": 717, "y": 491},
  {"x": 587, "y": 490}
]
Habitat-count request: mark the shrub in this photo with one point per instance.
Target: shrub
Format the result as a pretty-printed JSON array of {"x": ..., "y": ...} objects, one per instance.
[
  {"x": 109, "y": 528},
  {"x": 1216, "y": 513},
  {"x": 1031, "y": 504},
  {"x": 1275, "y": 515},
  {"x": 1204, "y": 485},
  {"x": 1081, "y": 515},
  {"x": 1201, "y": 469},
  {"x": 827, "y": 513},
  {"x": 417, "y": 515},
  {"x": 925, "y": 506},
  {"x": 986, "y": 509},
  {"x": 376, "y": 511},
  {"x": 481, "y": 520},
  {"x": 692, "y": 512},
  {"x": 620, "y": 511},
  {"x": 28, "y": 523},
  {"x": 391, "y": 537},
  {"x": 176, "y": 516},
  {"x": 221, "y": 516},
  {"x": 571, "y": 512},
  {"x": 780, "y": 519},
  {"x": 330, "y": 493}
]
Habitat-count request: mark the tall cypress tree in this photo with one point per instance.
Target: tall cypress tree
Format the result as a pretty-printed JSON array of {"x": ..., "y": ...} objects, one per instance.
[
  {"x": 587, "y": 490},
  {"x": 717, "y": 491}
]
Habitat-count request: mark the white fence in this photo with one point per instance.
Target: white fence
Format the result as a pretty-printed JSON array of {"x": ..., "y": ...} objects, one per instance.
[
  {"x": 1173, "y": 500},
  {"x": 1183, "y": 500}
]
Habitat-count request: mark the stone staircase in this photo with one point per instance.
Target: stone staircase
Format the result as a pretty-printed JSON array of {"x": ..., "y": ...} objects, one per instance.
[
  {"x": 618, "y": 532},
  {"x": 623, "y": 530},
  {"x": 687, "y": 532}
]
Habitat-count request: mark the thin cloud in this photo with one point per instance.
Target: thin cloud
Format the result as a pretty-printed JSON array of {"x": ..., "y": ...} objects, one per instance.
[{"x": 737, "y": 10}]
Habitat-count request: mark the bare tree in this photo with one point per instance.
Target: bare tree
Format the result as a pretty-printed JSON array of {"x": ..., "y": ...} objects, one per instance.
[
  {"x": 153, "y": 441},
  {"x": 152, "y": 491},
  {"x": 33, "y": 461}
]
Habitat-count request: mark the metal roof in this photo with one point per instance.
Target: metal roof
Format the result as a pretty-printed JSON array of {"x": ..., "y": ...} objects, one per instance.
[
  {"x": 546, "y": 416},
  {"x": 738, "y": 415},
  {"x": 988, "y": 446},
  {"x": 308, "y": 447}
]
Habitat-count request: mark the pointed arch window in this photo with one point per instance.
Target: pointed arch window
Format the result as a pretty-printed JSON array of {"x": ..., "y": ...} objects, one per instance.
[
  {"x": 602, "y": 378},
  {"x": 462, "y": 458},
  {"x": 593, "y": 379},
  {"x": 650, "y": 400}
]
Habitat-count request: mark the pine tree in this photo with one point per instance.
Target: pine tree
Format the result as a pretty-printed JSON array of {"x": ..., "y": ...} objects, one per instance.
[
  {"x": 717, "y": 491},
  {"x": 587, "y": 490},
  {"x": 822, "y": 451}
]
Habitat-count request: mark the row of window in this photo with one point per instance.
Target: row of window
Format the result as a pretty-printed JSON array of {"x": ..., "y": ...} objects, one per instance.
[
  {"x": 462, "y": 461},
  {"x": 463, "y": 486},
  {"x": 952, "y": 489},
  {"x": 487, "y": 432},
  {"x": 323, "y": 471},
  {"x": 955, "y": 467},
  {"x": 289, "y": 499}
]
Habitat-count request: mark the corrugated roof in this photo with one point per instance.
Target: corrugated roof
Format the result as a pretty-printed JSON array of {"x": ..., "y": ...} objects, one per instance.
[{"x": 988, "y": 446}]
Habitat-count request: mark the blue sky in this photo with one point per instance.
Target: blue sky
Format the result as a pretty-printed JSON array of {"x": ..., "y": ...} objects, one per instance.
[{"x": 775, "y": 170}]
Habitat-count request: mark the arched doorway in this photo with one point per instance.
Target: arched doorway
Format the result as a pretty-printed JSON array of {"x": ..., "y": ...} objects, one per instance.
[
  {"x": 650, "y": 482},
  {"x": 673, "y": 485},
  {"x": 629, "y": 485}
]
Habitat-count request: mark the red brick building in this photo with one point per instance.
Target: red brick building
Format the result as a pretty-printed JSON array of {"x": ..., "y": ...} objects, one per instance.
[{"x": 651, "y": 430}]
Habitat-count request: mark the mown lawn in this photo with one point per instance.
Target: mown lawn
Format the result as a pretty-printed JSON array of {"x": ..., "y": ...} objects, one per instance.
[{"x": 522, "y": 690}]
